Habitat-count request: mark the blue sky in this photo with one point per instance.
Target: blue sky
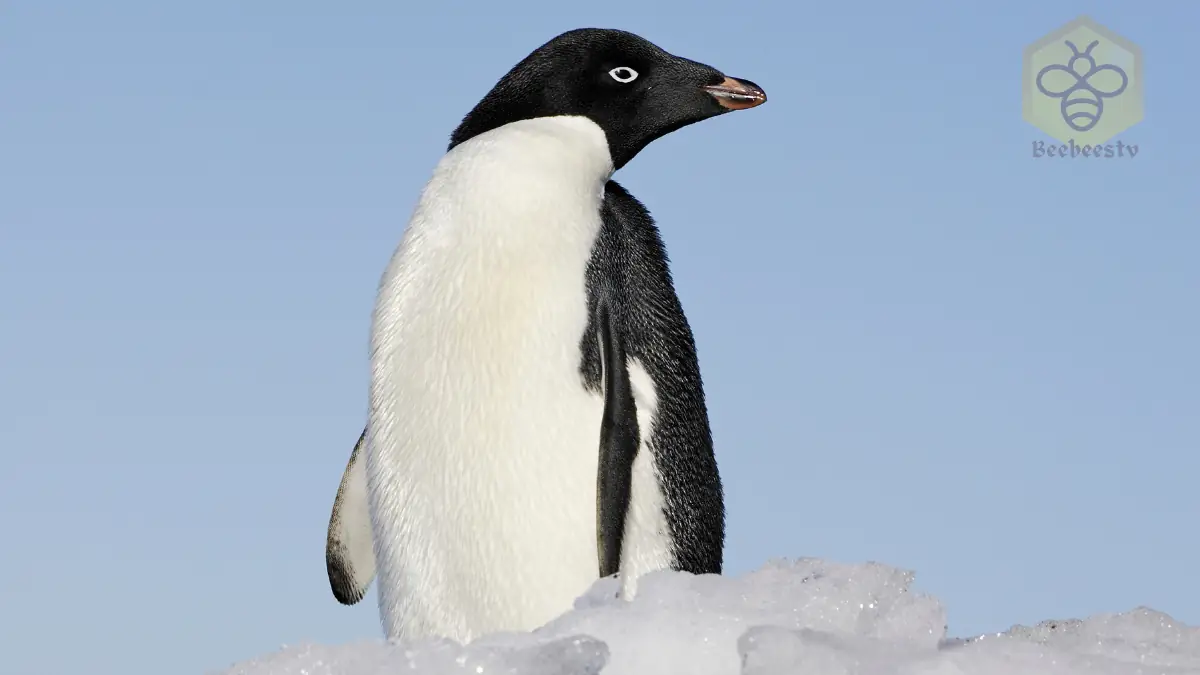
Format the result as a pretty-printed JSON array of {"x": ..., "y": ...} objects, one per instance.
[{"x": 923, "y": 347}]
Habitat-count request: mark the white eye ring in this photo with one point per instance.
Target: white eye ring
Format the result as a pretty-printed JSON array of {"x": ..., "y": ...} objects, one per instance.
[{"x": 623, "y": 74}]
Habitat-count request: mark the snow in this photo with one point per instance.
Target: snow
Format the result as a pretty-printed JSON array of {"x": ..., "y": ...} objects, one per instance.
[{"x": 800, "y": 617}]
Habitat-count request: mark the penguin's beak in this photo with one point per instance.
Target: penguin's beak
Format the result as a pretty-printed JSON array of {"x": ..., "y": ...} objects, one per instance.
[{"x": 737, "y": 94}]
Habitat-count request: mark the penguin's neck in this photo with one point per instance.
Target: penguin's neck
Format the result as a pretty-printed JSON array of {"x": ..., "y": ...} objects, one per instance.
[
  {"x": 522, "y": 199},
  {"x": 531, "y": 163}
]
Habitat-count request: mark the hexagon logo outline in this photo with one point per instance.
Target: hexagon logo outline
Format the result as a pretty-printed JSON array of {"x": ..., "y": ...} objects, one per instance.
[{"x": 1056, "y": 109}]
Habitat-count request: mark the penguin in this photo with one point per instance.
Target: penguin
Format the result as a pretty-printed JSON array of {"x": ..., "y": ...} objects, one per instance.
[{"x": 537, "y": 418}]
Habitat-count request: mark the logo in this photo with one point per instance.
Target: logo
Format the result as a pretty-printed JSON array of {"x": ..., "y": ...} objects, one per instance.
[{"x": 1082, "y": 85}]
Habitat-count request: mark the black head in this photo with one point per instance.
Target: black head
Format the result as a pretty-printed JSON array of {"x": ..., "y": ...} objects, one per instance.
[{"x": 631, "y": 88}]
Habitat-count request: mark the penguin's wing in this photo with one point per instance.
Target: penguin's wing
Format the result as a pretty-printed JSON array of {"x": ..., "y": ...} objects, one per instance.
[
  {"x": 618, "y": 442},
  {"x": 349, "y": 552}
]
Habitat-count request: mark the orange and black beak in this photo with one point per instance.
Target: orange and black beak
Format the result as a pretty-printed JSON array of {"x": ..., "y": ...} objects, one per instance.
[{"x": 737, "y": 94}]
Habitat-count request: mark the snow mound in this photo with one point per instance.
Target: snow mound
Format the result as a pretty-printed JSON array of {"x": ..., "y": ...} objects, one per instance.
[{"x": 804, "y": 617}]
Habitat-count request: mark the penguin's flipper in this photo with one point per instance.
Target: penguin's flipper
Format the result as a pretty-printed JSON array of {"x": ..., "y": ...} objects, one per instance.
[
  {"x": 349, "y": 552},
  {"x": 618, "y": 444}
]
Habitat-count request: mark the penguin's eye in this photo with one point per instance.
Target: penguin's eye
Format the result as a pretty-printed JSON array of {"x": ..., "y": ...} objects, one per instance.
[{"x": 623, "y": 74}]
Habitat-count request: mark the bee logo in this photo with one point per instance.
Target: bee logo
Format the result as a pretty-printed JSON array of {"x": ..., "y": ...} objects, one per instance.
[{"x": 1082, "y": 85}]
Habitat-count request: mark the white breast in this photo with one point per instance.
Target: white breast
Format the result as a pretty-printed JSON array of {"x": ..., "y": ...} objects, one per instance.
[{"x": 482, "y": 442}]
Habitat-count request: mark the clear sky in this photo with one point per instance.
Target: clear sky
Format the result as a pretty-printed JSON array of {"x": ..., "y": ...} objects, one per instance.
[{"x": 921, "y": 345}]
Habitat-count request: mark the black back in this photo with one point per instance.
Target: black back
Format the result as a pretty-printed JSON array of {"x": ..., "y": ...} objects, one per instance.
[{"x": 634, "y": 312}]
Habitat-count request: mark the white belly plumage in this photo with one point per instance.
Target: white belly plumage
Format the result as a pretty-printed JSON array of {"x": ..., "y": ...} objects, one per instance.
[{"x": 482, "y": 441}]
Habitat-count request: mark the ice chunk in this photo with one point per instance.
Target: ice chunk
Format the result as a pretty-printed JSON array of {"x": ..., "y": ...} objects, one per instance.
[
  {"x": 517, "y": 655},
  {"x": 1137, "y": 642},
  {"x": 684, "y": 623},
  {"x": 802, "y": 617}
]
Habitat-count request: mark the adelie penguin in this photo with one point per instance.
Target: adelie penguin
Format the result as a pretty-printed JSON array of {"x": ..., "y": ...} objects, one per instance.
[{"x": 536, "y": 418}]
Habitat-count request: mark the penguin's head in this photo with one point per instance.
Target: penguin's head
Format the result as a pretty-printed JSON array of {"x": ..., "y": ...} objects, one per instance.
[{"x": 632, "y": 89}]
